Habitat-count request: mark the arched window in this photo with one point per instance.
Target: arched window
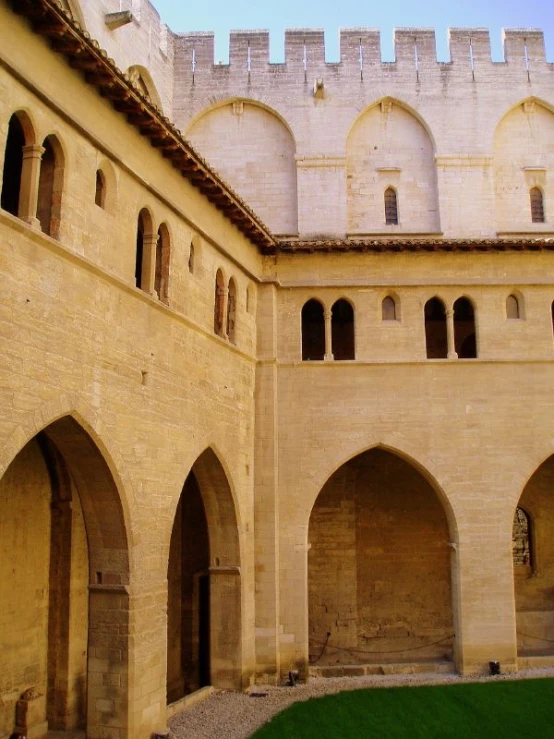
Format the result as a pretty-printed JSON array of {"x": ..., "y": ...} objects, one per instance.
[
  {"x": 100, "y": 191},
  {"x": 163, "y": 250},
  {"x": 521, "y": 539},
  {"x": 219, "y": 303},
  {"x": 464, "y": 329},
  {"x": 391, "y": 207},
  {"x": 342, "y": 330},
  {"x": 537, "y": 205},
  {"x": 13, "y": 166},
  {"x": 50, "y": 187},
  {"x": 436, "y": 341},
  {"x": 388, "y": 309},
  {"x": 144, "y": 231},
  {"x": 512, "y": 307},
  {"x": 231, "y": 310},
  {"x": 313, "y": 331}
]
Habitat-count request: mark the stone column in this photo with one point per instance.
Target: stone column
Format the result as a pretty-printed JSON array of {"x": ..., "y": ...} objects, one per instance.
[
  {"x": 450, "y": 335},
  {"x": 149, "y": 246},
  {"x": 28, "y": 192},
  {"x": 328, "y": 336}
]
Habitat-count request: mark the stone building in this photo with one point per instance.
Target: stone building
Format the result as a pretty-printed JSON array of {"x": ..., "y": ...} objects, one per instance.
[{"x": 277, "y": 374}]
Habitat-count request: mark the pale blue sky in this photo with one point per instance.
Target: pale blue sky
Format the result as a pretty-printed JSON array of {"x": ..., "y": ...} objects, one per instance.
[{"x": 222, "y": 15}]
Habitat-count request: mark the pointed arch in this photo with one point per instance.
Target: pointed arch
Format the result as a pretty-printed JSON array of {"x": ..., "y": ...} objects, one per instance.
[
  {"x": 220, "y": 300},
  {"x": 436, "y": 341},
  {"x": 390, "y": 147},
  {"x": 163, "y": 263},
  {"x": 21, "y": 133},
  {"x": 533, "y": 561},
  {"x": 205, "y": 592},
  {"x": 343, "y": 330},
  {"x": 144, "y": 237},
  {"x": 50, "y": 186},
  {"x": 263, "y": 169},
  {"x": 78, "y": 515},
  {"x": 380, "y": 492},
  {"x": 232, "y": 310},
  {"x": 465, "y": 337},
  {"x": 521, "y": 160},
  {"x": 313, "y": 330}
]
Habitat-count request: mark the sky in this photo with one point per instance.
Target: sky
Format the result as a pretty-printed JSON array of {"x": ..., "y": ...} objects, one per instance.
[{"x": 221, "y": 16}]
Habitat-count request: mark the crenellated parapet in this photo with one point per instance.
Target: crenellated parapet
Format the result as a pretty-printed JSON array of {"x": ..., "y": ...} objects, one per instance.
[{"x": 360, "y": 52}]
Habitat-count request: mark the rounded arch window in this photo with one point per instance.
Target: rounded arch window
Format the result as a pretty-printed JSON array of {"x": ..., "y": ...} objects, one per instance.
[
  {"x": 537, "y": 205},
  {"x": 391, "y": 207}
]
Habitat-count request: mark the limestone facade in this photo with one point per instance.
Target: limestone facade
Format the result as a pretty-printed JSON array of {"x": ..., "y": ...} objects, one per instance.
[{"x": 283, "y": 421}]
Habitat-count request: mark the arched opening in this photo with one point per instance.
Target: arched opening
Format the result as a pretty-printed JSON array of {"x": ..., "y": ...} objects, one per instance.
[
  {"x": 204, "y": 588},
  {"x": 142, "y": 80},
  {"x": 100, "y": 189},
  {"x": 391, "y": 207},
  {"x": 537, "y": 205},
  {"x": 13, "y": 166},
  {"x": 313, "y": 330},
  {"x": 50, "y": 187},
  {"x": 342, "y": 330},
  {"x": 379, "y": 566},
  {"x": 464, "y": 329},
  {"x": 533, "y": 562},
  {"x": 144, "y": 234},
  {"x": 64, "y": 570},
  {"x": 436, "y": 340},
  {"x": 512, "y": 307},
  {"x": 163, "y": 256},
  {"x": 232, "y": 310},
  {"x": 388, "y": 309},
  {"x": 219, "y": 303}
]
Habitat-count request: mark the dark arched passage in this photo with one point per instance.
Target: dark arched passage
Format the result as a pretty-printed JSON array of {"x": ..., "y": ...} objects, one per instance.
[
  {"x": 65, "y": 555},
  {"x": 204, "y": 585},
  {"x": 379, "y": 566}
]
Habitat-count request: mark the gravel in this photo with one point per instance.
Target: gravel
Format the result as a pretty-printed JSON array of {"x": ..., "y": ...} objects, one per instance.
[{"x": 228, "y": 715}]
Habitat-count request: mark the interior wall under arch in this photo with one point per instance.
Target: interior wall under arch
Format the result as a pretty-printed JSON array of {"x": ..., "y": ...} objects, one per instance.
[
  {"x": 379, "y": 565},
  {"x": 44, "y": 575},
  {"x": 254, "y": 152},
  {"x": 523, "y": 158},
  {"x": 534, "y": 584},
  {"x": 389, "y": 147}
]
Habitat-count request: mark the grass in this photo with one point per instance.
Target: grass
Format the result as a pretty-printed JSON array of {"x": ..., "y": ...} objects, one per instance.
[{"x": 522, "y": 709}]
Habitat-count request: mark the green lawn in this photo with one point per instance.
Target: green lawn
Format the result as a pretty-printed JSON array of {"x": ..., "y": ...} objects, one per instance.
[{"x": 522, "y": 709}]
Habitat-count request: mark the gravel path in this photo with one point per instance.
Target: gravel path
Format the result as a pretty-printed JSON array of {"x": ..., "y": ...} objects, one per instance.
[{"x": 226, "y": 715}]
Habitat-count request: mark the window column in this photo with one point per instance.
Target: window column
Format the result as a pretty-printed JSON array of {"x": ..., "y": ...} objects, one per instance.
[
  {"x": 450, "y": 334},
  {"x": 30, "y": 174},
  {"x": 328, "y": 336},
  {"x": 149, "y": 248}
]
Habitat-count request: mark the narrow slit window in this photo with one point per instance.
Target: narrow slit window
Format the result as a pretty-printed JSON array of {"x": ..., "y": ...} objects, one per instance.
[
  {"x": 388, "y": 309},
  {"x": 100, "y": 191},
  {"x": 537, "y": 205},
  {"x": 219, "y": 303},
  {"x": 231, "y": 310},
  {"x": 391, "y": 207},
  {"x": 512, "y": 307}
]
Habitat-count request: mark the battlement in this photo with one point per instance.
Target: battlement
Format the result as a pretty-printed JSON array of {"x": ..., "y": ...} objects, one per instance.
[{"x": 360, "y": 48}]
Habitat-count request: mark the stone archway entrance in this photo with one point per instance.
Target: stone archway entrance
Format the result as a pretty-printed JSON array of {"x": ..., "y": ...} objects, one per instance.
[
  {"x": 379, "y": 567},
  {"x": 204, "y": 585},
  {"x": 533, "y": 561},
  {"x": 63, "y": 575}
]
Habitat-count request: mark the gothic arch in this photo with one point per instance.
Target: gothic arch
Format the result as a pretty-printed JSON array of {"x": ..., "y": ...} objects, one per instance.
[
  {"x": 254, "y": 149},
  {"x": 390, "y": 149},
  {"x": 364, "y": 580},
  {"x": 74, "y": 510},
  {"x": 521, "y": 160},
  {"x": 204, "y": 583}
]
